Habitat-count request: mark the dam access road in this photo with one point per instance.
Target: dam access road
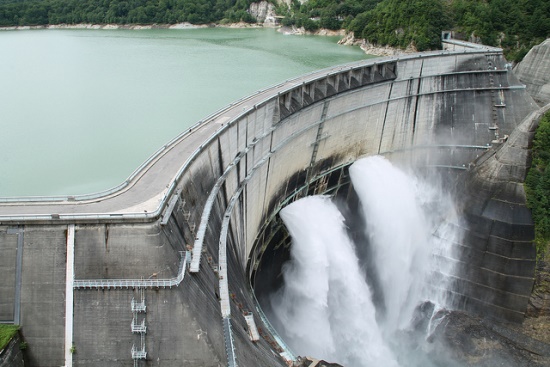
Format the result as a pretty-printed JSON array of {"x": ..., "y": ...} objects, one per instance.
[{"x": 162, "y": 269}]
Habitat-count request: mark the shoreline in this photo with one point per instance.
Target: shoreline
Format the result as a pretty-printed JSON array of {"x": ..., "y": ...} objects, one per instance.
[
  {"x": 347, "y": 39},
  {"x": 371, "y": 49},
  {"x": 109, "y": 26}
]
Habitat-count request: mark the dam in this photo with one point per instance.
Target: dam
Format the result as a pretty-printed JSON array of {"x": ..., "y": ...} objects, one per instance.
[{"x": 161, "y": 270}]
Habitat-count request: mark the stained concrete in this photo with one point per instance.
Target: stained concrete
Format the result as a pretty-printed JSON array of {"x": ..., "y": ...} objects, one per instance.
[
  {"x": 43, "y": 294},
  {"x": 8, "y": 254},
  {"x": 440, "y": 109}
]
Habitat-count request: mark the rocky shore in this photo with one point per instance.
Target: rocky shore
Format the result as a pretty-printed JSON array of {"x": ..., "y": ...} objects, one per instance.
[
  {"x": 371, "y": 49},
  {"x": 129, "y": 26},
  {"x": 348, "y": 39}
]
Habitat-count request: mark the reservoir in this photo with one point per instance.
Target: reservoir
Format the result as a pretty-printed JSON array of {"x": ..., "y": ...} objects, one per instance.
[{"x": 80, "y": 110}]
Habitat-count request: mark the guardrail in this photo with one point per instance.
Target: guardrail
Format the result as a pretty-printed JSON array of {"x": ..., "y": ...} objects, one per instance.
[
  {"x": 135, "y": 283},
  {"x": 223, "y": 275},
  {"x": 229, "y": 343}
]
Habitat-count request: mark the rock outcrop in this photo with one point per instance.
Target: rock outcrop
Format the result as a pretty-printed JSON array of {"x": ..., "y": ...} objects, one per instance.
[
  {"x": 463, "y": 340},
  {"x": 539, "y": 303},
  {"x": 372, "y": 49},
  {"x": 289, "y": 2},
  {"x": 534, "y": 72},
  {"x": 264, "y": 12}
]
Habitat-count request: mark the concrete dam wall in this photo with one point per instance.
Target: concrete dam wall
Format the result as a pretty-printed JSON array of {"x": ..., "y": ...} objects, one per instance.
[{"x": 175, "y": 287}]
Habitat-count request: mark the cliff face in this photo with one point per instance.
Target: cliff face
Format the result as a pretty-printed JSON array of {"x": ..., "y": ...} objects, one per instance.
[
  {"x": 534, "y": 72},
  {"x": 289, "y": 2},
  {"x": 264, "y": 12}
]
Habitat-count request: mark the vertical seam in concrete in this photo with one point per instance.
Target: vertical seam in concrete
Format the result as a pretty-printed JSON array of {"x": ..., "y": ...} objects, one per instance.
[
  {"x": 18, "y": 275},
  {"x": 417, "y": 97},
  {"x": 223, "y": 187},
  {"x": 265, "y": 201},
  {"x": 69, "y": 297},
  {"x": 385, "y": 116},
  {"x": 320, "y": 127}
]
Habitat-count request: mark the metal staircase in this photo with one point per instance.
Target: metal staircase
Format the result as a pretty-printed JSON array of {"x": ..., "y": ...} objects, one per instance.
[{"x": 137, "y": 327}]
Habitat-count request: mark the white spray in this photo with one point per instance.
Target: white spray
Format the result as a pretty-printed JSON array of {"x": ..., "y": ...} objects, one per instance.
[
  {"x": 325, "y": 308},
  {"x": 401, "y": 216}
]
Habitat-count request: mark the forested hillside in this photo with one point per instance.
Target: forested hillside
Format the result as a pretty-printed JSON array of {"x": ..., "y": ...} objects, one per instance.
[
  {"x": 42, "y": 12},
  {"x": 515, "y": 25}
]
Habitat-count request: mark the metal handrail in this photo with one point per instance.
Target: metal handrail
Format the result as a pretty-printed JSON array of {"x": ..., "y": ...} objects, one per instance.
[
  {"x": 135, "y": 283},
  {"x": 229, "y": 342},
  {"x": 138, "y": 306},
  {"x": 223, "y": 275}
]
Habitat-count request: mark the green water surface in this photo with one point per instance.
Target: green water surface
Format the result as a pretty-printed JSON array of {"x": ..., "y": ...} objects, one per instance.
[{"x": 80, "y": 110}]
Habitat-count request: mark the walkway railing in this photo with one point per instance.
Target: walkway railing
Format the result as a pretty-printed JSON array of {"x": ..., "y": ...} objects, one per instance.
[{"x": 136, "y": 283}]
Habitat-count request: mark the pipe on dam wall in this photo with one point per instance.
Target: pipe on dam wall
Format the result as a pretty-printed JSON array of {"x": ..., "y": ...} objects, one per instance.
[{"x": 441, "y": 109}]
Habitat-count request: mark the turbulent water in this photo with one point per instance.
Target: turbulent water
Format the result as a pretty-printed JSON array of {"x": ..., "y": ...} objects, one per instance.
[{"x": 328, "y": 308}]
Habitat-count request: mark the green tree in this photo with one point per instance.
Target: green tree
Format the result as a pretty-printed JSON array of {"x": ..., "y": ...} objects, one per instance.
[
  {"x": 400, "y": 23},
  {"x": 537, "y": 185}
]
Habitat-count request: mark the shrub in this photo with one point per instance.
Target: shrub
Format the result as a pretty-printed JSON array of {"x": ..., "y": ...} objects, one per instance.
[{"x": 7, "y": 332}]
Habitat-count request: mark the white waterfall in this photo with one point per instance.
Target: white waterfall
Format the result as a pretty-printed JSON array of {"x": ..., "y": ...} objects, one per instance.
[{"x": 325, "y": 308}]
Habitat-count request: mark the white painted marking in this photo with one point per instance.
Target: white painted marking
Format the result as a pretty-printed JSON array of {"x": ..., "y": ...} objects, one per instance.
[{"x": 69, "y": 297}]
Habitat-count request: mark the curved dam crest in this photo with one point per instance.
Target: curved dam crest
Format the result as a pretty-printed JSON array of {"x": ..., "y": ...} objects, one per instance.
[{"x": 162, "y": 269}]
